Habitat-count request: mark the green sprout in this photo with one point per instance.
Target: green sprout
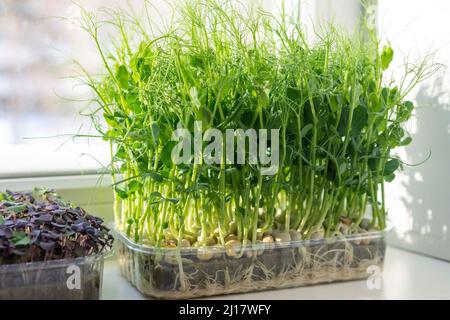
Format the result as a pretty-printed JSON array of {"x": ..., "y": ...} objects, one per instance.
[{"x": 339, "y": 123}]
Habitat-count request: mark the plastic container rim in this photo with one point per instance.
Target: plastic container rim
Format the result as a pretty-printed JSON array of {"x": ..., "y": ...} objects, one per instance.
[
  {"x": 30, "y": 266},
  {"x": 151, "y": 250}
]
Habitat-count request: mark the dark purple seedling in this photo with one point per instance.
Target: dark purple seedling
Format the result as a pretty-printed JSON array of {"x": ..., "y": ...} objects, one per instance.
[{"x": 40, "y": 226}]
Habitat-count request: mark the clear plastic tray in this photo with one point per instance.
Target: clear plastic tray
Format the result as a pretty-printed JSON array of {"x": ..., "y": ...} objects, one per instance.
[
  {"x": 70, "y": 279},
  {"x": 186, "y": 273}
]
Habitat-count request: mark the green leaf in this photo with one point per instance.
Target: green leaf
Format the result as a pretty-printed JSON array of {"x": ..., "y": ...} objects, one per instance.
[
  {"x": 408, "y": 105},
  {"x": 134, "y": 186},
  {"x": 335, "y": 102},
  {"x": 406, "y": 141},
  {"x": 396, "y": 135},
  {"x": 293, "y": 94},
  {"x": 306, "y": 129},
  {"x": 20, "y": 238},
  {"x": 381, "y": 125},
  {"x": 373, "y": 163},
  {"x": 196, "y": 61},
  {"x": 155, "y": 132},
  {"x": 110, "y": 119},
  {"x": 390, "y": 167},
  {"x": 246, "y": 118},
  {"x": 166, "y": 153},
  {"x": 17, "y": 209},
  {"x": 356, "y": 92},
  {"x": 121, "y": 193},
  {"x": 359, "y": 121},
  {"x": 155, "y": 194},
  {"x": 225, "y": 85},
  {"x": 142, "y": 164},
  {"x": 122, "y": 76},
  {"x": 23, "y": 242},
  {"x": 155, "y": 176},
  {"x": 374, "y": 102},
  {"x": 384, "y": 97},
  {"x": 342, "y": 168},
  {"x": 39, "y": 193},
  {"x": 386, "y": 57},
  {"x": 2, "y": 220},
  {"x": 393, "y": 94},
  {"x": 342, "y": 165},
  {"x": 274, "y": 122},
  {"x": 389, "y": 178},
  {"x": 205, "y": 116},
  {"x": 121, "y": 153},
  {"x": 111, "y": 135},
  {"x": 290, "y": 155},
  {"x": 263, "y": 99},
  {"x": 343, "y": 121},
  {"x": 194, "y": 97}
]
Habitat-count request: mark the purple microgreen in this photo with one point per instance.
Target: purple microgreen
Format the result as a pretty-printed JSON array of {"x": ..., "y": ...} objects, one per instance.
[{"x": 41, "y": 226}]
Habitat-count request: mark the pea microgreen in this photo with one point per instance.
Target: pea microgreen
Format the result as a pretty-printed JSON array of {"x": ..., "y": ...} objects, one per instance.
[{"x": 339, "y": 122}]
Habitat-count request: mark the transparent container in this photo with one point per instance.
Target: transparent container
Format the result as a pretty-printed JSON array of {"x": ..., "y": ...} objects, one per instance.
[
  {"x": 193, "y": 272},
  {"x": 68, "y": 279}
]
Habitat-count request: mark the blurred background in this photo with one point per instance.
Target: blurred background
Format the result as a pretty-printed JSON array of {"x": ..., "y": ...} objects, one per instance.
[{"x": 38, "y": 44}]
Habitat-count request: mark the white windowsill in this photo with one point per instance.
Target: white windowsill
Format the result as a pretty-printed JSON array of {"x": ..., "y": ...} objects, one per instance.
[{"x": 65, "y": 182}]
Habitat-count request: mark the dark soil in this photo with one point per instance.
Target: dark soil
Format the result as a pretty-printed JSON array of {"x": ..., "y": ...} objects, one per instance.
[{"x": 40, "y": 226}]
